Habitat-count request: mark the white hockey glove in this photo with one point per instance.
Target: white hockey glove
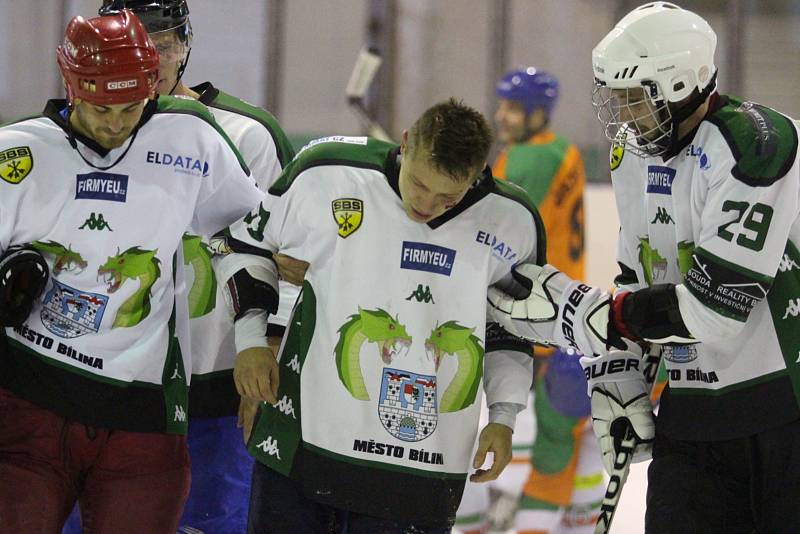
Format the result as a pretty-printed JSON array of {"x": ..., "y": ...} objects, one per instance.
[
  {"x": 620, "y": 400},
  {"x": 554, "y": 309}
]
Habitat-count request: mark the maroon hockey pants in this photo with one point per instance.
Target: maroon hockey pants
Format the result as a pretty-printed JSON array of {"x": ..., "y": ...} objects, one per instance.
[{"x": 125, "y": 482}]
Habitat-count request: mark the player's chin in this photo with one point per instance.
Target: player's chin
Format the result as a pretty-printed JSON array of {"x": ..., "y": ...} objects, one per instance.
[
  {"x": 112, "y": 141},
  {"x": 418, "y": 216}
]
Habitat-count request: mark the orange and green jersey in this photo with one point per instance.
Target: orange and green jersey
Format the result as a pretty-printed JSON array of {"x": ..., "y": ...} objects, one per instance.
[{"x": 550, "y": 169}]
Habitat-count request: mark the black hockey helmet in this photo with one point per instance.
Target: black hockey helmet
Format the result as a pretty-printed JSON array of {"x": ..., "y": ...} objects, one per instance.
[
  {"x": 156, "y": 15},
  {"x": 159, "y": 16}
]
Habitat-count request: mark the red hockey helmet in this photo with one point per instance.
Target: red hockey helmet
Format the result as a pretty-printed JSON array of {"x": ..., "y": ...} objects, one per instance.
[{"x": 108, "y": 59}]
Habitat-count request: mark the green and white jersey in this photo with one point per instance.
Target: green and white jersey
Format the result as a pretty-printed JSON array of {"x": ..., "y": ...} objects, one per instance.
[
  {"x": 102, "y": 344},
  {"x": 720, "y": 220},
  {"x": 383, "y": 362},
  {"x": 266, "y": 150}
]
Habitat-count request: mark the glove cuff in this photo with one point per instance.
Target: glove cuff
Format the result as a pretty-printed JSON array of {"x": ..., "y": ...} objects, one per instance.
[{"x": 618, "y": 317}]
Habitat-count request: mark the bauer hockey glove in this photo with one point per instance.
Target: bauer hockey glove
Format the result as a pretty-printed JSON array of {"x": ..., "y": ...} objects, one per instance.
[
  {"x": 544, "y": 305},
  {"x": 620, "y": 398},
  {"x": 23, "y": 277}
]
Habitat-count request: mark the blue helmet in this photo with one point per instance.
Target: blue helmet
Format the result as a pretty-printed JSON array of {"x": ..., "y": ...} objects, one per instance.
[{"x": 530, "y": 87}]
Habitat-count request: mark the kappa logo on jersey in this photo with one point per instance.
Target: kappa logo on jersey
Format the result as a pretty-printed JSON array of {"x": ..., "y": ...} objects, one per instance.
[
  {"x": 348, "y": 214},
  {"x": 407, "y": 404},
  {"x": 787, "y": 264},
  {"x": 702, "y": 158},
  {"x": 285, "y": 406},
  {"x": 181, "y": 164},
  {"x": 422, "y": 294},
  {"x": 659, "y": 179},
  {"x": 95, "y": 222},
  {"x": 15, "y": 164},
  {"x": 662, "y": 216},
  {"x": 679, "y": 353},
  {"x": 427, "y": 257},
  {"x": 69, "y": 312},
  {"x": 500, "y": 250},
  {"x": 294, "y": 364},
  {"x": 270, "y": 446},
  {"x": 792, "y": 309},
  {"x": 102, "y": 186}
]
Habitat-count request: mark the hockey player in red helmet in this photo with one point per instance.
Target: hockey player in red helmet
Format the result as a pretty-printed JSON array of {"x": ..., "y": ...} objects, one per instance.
[
  {"x": 110, "y": 68},
  {"x": 221, "y": 466},
  {"x": 93, "y": 368}
]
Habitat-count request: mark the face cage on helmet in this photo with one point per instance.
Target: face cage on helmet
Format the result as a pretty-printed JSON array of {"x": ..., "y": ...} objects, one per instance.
[{"x": 649, "y": 133}]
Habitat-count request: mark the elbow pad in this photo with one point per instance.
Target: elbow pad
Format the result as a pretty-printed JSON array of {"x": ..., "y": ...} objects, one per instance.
[{"x": 246, "y": 292}]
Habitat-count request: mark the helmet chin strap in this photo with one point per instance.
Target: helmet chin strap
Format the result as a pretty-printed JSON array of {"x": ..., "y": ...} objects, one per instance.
[{"x": 181, "y": 68}]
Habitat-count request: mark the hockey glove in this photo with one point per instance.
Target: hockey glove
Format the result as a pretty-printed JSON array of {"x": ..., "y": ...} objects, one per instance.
[
  {"x": 23, "y": 277},
  {"x": 556, "y": 310},
  {"x": 620, "y": 400}
]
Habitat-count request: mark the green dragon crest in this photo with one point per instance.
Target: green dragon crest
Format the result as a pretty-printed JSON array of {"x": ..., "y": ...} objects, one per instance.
[
  {"x": 64, "y": 258},
  {"x": 373, "y": 326},
  {"x": 203, "y": 293},
  {"x": 451, "y": 339},
  {"x": 653, "y": 263},
  {"x": 132, "y": 264}
]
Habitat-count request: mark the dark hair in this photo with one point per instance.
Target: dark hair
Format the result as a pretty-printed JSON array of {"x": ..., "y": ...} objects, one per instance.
[{"x": 457, "y": 137}]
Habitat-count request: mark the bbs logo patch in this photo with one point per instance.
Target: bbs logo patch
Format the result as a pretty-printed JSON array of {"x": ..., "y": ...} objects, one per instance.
[
  {"x": 15, "y": 164},
  {"x": 348, "y": 214}
]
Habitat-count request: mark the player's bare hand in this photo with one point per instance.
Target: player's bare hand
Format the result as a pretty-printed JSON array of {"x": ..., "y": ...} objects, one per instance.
[
  {"x": 248, "y": 408},
  {"x": 292, "y": 270},
  {"x": 494, "y": 438},
  {"x": 255, "y": 374}
]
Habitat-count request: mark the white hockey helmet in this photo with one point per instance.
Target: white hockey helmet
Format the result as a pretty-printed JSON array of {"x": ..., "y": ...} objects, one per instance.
[{"x": 658, "y": 54}]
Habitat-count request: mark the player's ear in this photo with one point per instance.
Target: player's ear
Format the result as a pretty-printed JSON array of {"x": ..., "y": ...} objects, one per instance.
[{"x": 404, "y": 142}]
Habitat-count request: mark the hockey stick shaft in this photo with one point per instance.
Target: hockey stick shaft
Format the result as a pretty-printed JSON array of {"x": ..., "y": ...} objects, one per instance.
[
  {"x": 619, "y": 473},
  {"x": 364, "y": 71}
]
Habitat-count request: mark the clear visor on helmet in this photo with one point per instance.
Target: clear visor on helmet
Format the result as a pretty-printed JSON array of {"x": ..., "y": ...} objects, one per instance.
[
  {"x": 641, "y": 114},
  {"x": 172, "y": 44}
]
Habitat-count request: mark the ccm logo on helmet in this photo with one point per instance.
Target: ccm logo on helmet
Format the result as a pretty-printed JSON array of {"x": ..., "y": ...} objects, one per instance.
[
  {"x": 121, "y": 84},
  {"x": 568, "y": 312}
]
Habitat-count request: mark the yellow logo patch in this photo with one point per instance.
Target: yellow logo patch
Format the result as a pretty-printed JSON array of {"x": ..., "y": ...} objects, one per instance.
[
  {"x": 348, "y": 214},
  {"x": 617, "y": 152},
  {"x": 15, "y": 164}
]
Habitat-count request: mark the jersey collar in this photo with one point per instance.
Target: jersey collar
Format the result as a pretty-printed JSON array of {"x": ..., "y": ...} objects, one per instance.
[
  {"x": 717, "y": 101},
  {"x": 54, "y": 110},
  {"x": 480, "y": 189}
]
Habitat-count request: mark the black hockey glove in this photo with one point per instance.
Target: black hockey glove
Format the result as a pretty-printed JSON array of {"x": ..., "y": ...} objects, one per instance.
[{"x": 23, "y": 277}]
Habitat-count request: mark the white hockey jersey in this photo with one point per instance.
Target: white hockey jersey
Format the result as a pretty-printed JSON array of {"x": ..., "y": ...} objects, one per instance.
[
  {"x": 101, "y": 347},
  {"x": 382, "y": 365},
  {"x": 266, "y": 150},
  {"x": 720, "y": 220}
]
